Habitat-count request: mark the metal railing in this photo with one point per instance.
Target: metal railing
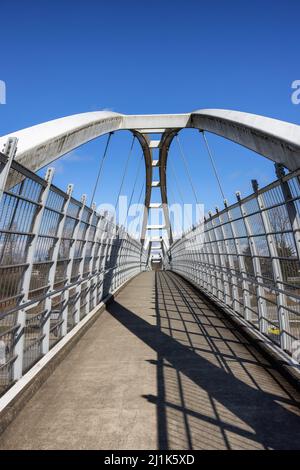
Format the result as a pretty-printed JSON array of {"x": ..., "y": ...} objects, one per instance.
[
  {"x": 247, "y": 257},
  {"x": 58, "y": 260}
]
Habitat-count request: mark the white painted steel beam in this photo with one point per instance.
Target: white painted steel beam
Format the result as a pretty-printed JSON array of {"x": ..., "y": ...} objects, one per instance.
[
  {"x": 274, "y": 139},
  {"x": 277, "y": 140},
  {"x": 154, "y": 144}
]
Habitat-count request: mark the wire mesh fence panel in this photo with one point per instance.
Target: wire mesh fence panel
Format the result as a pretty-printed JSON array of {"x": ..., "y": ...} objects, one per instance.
[
  {"x": 58, "y": 259},
  {"x": 83, "y": 300},
  {"x": 72, "y": 309},
  {"x": 33, "y": 333},
  {"x": 248, "y": 259},
  {"x": 56, "y": 319},
  {"x": 8, "y": 329}
]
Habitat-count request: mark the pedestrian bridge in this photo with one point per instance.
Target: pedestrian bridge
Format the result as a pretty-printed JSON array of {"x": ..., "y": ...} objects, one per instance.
[{"x": 98, "y": 350}]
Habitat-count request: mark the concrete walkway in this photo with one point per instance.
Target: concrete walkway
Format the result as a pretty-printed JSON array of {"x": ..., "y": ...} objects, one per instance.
[{"x": 160, "y": 368}]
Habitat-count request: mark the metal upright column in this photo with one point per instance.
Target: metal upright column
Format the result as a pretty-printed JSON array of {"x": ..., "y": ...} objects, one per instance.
[
  {"x": 211, "y": 261},
  {"x": 107, "y": 255},
  {"x": 81, "y": 265},
  {"x": 226, "y": 276},
  {"x": 116, "y": 254},
  {"x": 92, "y": 264},
  {"x": 71, "y": 255},
  {"x": 194, "y": 256},
  {"x": 232, "y": 298},
  {"x": 261, "y": 302},
  {"x": 121, "y": 259},
  {"x": 218, "y": 279},
  {"x": 52, "y": 272},
  {"x": 285, "y": 338},
  {"x": 10, "y": 150},
  {"x": 101, "y": 263},
  {"x": 293, "y": 214},
  {"x": 245, "y": 285},
  {"x": 201, "y": 279},
  {"x": 21, "y": 319},
  {"x": 225, "y": 290}
]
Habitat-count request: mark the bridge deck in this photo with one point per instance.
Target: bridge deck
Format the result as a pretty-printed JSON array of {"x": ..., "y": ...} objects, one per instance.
[{"x": 160, "y": 368}]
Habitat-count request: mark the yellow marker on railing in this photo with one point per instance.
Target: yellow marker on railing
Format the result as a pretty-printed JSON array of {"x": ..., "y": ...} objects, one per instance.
[{"x": 274, "y": 330}]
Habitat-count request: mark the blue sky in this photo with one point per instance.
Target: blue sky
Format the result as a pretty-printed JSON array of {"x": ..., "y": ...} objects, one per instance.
[{"x": 65, "y": 57}]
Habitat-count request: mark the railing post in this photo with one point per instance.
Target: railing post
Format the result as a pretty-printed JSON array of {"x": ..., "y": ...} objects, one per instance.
[
  {"x": 285, "y": 339},
  {"x": 229, "y": 299},
  {"x": 245, "y": 286},
  {"x": 261, "y": 302},
  {"x": 293, "y": 214},
  {"x": 121, "y": 262},
  {"x": 52, "y": 272},
  {"x": 197, "y": 244},
  {"x": 224, "y": 294},
  {"x": 114, "y": 258},
  {"x": 234, "y": 296},
  {"x": 79, "y": 284},
  {"x": 211, "y": 260},
  {"x": 101, "y": 262},
  {"x": 194, "y": 256},
  {"x": 93, "y": 258},
  {"x": 21, "y": 319},
  {"x": 212, "y": 242},
  {"x": 116, "y": 251},
  {"x": 124, "y": 257},
  {"x": 81, "y": 265},
  {"x": 200, "y": 280},
  {"x": 71, "y": 262},
  {"x": 107, "y": 255},
  {"x": 10, "y": 150},
  {"x": 204, "y": 257}
]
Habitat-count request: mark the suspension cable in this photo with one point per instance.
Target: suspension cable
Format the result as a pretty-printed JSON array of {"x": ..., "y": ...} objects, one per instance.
[
  {"x": 133, "y": 190},
  {"x": 178, "y": 188},
  {"x": 213, "y": 165},
  {"x": 187, "y": 168},
  {"x": 176, "y": 182},
  {"x": 134, "y": 186},
  {"x": 101, "y": 166},
  {"x": 174, "y": 197},
  {"x": 124, "y": 172},
  {"x": 139, "y": 200},
  {"x": 140, "y": 196}
]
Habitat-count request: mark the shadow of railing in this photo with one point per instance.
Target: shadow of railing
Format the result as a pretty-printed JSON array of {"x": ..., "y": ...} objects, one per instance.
[{"x": 214, "y": 390}]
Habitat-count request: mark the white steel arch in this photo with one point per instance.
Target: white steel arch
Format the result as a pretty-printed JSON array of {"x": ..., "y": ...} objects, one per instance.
[
  {"x": 276, "y": 140},
  {"x": 41, "y": 144}
]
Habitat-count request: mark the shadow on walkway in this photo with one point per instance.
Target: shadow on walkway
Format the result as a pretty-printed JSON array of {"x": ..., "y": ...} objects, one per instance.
[{"x": 214, "y": 390}]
